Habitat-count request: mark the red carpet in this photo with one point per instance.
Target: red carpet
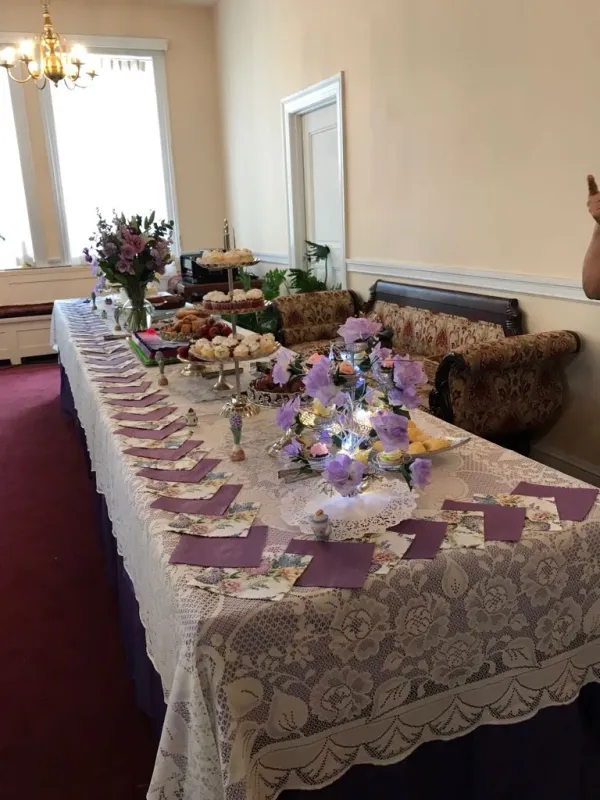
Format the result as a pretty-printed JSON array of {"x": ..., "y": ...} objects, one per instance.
[{"x": 69, "y": 729}]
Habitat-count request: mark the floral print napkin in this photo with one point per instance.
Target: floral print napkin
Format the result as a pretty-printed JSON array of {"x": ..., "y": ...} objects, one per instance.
[
  {"x": 236, "y": 522},
  {"x": 272, "y": 580},
  {"x": 203, "y": 490},
  {"x": 541, "y": 513},
  {"x": 389, "y": 550},
  {"x": 464, "y": 529},
  {"x": 186, "y": 463}
]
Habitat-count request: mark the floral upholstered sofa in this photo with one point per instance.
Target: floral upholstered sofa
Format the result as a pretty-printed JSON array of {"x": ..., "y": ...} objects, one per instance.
[
  {"x": 308, "y": 322},
  {"x": 484, "y": 374}
]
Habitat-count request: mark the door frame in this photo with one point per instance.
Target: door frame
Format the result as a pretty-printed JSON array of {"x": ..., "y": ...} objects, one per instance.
[{"x": 325, "y": 93}]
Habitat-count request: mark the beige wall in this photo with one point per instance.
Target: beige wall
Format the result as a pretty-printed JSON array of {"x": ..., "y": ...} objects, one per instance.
[
  {"x": 470, "y": 127},
  {"x": 193, "y": 100}
]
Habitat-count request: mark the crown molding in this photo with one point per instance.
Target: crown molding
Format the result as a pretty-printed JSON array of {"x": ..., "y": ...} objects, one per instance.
[{"x": 510, "y": 283}]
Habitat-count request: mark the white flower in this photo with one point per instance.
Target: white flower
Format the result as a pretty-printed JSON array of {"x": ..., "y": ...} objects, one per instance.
[
  {"x": 457, "y": 659},
  {"x": 341, "y": 694},
  {"x": 559, "y": 627},
  {"x": 490, "y": 603},
  {"x": 358, "y": 628},
  {"x": 422, "y": 623},
  {"x": 544, "y": 576}
]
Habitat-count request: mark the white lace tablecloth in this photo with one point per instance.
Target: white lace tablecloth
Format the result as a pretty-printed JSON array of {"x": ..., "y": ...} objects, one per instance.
[{"x": 270, "y": 695}]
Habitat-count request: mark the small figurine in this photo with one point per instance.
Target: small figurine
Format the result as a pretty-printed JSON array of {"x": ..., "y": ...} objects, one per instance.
[
  {"x": 117, "y": 316},
  {"x": 320, "y": 525},
  {"x": 162, "y": 378},
  {"x": 191, "y": 418},
  {"x": 104, "y": 314},
  {"x": 235, "y": 423},
  {"x": 94, "y": 306},
  {"x": 108, "y": 301}
]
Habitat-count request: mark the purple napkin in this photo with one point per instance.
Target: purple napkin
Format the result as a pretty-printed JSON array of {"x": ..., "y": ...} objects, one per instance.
[
  {"x": 201, "y": 470},
  {"x": 100, "y": 352},
  {"x": 149, "y": 416},
  {"x": 156, "y": 436},
  {"x": 164, "y": 453},
  {"x": 335, "y": 565},
  {"x": 224, "y": 551},
  {"x": 100, "y": 371},
  {"x": 141, "y": 387},
  {"x": 573, "y": 503},
  {"x": 146, "y": 401},
  {"x": 429, "y": 535},
  {"x": 215, "y": 506},
  {"x": 500, "y": 523},
  {"x": 121, "y": 378},
  {"x": 110, "y": 362}
]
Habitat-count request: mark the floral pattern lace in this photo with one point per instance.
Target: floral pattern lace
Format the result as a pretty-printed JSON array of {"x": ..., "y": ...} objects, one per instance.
[{"x": 264, "y": 696}]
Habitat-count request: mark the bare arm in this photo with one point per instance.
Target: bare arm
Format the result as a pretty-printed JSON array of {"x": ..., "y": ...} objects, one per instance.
[
  {"x": 591, "y": 266},
  {"x": 591, "y": 262}
]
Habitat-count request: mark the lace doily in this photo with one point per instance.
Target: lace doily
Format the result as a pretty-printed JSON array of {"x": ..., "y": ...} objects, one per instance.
[{"x": 386, "y": 502}]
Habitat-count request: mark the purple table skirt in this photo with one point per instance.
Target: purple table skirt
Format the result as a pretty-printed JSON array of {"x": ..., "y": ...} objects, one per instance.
[{"x": 553, "y": 756}]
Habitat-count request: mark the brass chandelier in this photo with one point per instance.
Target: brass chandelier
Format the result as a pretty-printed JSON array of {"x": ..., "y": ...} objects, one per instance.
[{"x": 56, "y": 61}]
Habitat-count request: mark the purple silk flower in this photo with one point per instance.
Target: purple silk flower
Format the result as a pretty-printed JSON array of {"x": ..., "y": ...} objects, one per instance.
[
  {"x": 344, "y": 473},
  {"x": 318, "y": 383},
  {"x": 294, "y": 448},
  {"x": 408, "y": 372},
  {"x": 281, "y": 373},
  {"x": 357, "y": 329},
  {"x": 420, "y": 472},
  {"x": 286, "y": 415},
  {"x": 392, "y": 430}
]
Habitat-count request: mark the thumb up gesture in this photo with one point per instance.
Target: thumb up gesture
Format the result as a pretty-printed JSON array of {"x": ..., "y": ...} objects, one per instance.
[{"x": 593, "y": 202}]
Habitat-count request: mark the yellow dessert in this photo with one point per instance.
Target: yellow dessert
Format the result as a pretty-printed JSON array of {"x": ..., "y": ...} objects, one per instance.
[
  {"x": 414, "y": 448},
  {"x": 319, "y": 409},
  {"x": 362, "y": 456},
  {"x": 377, "y": 447},
  {"x": 432, "y": 444}
]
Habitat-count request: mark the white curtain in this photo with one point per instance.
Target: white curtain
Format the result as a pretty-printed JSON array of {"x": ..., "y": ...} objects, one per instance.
[
  {"x": 109, "y": 147},
  {"x": 14, "y": 222}
]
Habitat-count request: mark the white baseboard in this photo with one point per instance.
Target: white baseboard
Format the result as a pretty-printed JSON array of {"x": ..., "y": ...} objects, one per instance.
[
  {"x": 560, "y": 288},
  {"x": 571, "y": 465}
]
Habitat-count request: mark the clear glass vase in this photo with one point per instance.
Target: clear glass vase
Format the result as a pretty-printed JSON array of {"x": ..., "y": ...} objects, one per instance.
[{"x": 137, "y": 311}]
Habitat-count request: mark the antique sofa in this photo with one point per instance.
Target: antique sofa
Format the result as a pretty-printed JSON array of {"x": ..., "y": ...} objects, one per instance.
[
  {"x": 484, "y": 374},
  {"x": 309, "y": 322}
]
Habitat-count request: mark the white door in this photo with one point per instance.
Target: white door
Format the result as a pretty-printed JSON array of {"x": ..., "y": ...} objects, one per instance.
[{"x": 322, "y": 189}]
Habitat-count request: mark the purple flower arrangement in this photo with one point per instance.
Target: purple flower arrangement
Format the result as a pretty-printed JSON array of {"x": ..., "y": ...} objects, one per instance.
[
  {"x": 344, "y": 474},
  {"x": 358, "y": 329},
  {"x": 391, "y": 429},
  {"x": 319, "y": 384},
  {"x": 130, "y": 252}
]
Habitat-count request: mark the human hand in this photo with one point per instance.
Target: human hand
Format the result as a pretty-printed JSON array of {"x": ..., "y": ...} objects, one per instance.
[{"x": 593, "y": 202}]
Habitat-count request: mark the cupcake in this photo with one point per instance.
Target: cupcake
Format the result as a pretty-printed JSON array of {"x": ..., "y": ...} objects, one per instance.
[
  {"x": 393, "y": 457},
  {"x": 221, "y": 351},
  {"x": 207, "y": 351},
  {"x": 255, "y": 297},
  {"x": 241, "y": 351},
  {"x": 319, "y": 451}
]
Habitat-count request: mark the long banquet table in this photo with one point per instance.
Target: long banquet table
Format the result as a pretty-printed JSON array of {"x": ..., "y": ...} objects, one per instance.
[{"x": 428, "y": 668}]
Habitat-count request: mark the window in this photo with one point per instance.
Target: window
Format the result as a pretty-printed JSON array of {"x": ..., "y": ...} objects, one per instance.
[
  {"x": 15, "y": 244},
  {"x": 109, "y": 148}
]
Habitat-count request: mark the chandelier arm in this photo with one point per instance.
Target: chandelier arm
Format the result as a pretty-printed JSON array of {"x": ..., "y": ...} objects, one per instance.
[{"x": 18, "y": 80}]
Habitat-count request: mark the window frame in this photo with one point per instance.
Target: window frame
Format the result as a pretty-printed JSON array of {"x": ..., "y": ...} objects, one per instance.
[
  {"x": 19, "y": 109},
  {"x": 149, "y": 48}
]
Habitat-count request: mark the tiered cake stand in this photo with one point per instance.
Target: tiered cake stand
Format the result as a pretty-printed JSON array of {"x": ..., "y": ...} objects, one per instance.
[{"x": 239, "y": 403}]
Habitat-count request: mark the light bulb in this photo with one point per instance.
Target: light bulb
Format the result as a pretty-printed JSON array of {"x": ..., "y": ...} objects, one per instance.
[
  {"x": 78, "y": 54},
  {"x": 8, "y": 57},
  {"x": 72, "y": 71},
  {"x": 34, "y": 69},
  {"x": 27, "y": 49}
]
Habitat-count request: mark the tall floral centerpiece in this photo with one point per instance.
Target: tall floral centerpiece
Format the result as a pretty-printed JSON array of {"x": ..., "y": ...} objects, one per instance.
[{"x": 132, "y": 253}]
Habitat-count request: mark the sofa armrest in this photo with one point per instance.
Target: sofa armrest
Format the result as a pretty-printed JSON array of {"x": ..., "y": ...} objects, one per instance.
[
  {"x": 516, "y": 351},
  {"x": 503, "y": 388}
]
